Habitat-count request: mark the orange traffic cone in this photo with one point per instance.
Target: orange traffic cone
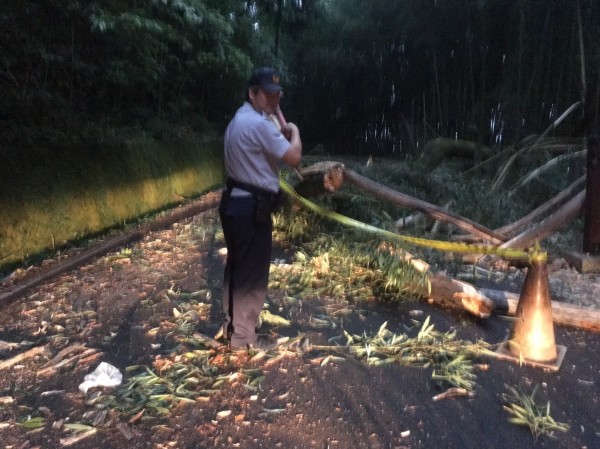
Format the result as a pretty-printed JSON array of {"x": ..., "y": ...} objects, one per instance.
[{"x": 532, "y": 338}]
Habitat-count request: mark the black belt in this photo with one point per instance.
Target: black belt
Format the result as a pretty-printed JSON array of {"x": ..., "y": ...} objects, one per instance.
[{"x": 257, "y": 191}]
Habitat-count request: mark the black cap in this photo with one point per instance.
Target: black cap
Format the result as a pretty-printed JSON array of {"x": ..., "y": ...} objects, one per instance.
[{"x": 266, "y": 78}]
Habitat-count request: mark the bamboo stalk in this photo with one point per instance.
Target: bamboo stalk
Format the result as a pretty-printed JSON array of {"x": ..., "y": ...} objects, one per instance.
[
  {"x": 551, "y": 163},
  {"x": 548, "y": 226},
  {"x": 541, "y": 210},
  {"x": 438, "y": 213}
]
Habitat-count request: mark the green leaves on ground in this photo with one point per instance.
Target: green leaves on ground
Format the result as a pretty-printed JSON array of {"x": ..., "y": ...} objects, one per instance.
[
  {"x": 451, "y": 359},
  {"x": 524, "y": 411}
]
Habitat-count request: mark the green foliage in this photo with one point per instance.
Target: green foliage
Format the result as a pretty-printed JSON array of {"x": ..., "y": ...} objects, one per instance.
[
  {"x": 337, "y": 263},
  {"x": 123, "y": 63},
  {"x": 391, "y": 75},
  {"x": 451, "y": 359},
  {"x": 383, "y": 77},
  {"x": 525, "y": 411}
]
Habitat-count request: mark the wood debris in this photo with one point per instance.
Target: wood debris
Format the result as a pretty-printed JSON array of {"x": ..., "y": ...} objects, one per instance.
[
  {"x": 452, "y": 393},
  {"x": 74, "y": 439},
  {"x": 23, "y": 356},
  {"x": 86, "y": 355}
]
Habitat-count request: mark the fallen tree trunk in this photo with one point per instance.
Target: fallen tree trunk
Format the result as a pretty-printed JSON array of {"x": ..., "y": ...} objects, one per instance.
[
  {"x": 327, "y": 177},
  {"x": 445, "y": 291},
  {"x": 448, "y": 292},
  {"x": 534, "y": 215},
  {"x": 587, "y": 318},
  {"x": 438, "y": 213},
  {"x": 549, "y": 225},
  {"x": 543, "y": 209}
]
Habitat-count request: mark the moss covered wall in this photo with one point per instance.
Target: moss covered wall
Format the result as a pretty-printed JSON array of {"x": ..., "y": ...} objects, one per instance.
[{"x": 50, "y": 197}]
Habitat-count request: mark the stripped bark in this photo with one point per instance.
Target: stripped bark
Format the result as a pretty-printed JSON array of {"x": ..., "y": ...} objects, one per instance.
[
  {"x": 415, "y": 219},
  {"x": 418, "y": 219},
  {"x": 76, "y": 438},
  {"x": 88, "y": 355}
]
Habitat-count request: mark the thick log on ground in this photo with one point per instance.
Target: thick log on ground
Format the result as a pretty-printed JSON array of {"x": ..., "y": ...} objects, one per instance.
[
  {"x": 319, "y": 178},
  {"x": 587, "y": 318},
  {"x": 448, "y": 292},
  {"x": 445, "y": 291}
]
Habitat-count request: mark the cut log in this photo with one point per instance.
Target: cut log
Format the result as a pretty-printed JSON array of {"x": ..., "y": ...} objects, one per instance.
[
  {"x": 448, "y": 292},
  {"x": 587, "y": 318},
  {"x": 319, "y": 178}
]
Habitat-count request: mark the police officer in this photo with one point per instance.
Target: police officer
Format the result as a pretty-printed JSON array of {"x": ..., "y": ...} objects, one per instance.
[{"x": 254, "y": 149}]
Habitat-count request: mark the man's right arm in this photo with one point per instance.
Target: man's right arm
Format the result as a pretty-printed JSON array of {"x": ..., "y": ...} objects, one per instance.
[{"x": 293, "y": 155}]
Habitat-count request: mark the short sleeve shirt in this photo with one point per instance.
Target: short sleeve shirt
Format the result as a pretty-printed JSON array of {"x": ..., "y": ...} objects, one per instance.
[{"x": 254, "y": 148}]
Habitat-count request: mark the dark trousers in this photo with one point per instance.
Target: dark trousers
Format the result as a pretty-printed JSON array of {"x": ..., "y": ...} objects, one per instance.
[{"x": 247, "y": 269}]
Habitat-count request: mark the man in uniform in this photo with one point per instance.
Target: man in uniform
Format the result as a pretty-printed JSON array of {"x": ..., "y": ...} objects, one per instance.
[{"x": 254, "y": 149}]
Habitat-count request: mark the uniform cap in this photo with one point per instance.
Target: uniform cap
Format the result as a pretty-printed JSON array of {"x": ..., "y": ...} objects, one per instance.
[{"x": 266, "y": 78}]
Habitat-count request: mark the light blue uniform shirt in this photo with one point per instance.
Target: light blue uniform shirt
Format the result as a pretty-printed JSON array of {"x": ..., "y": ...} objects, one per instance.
[{"x": 254, "y": 148}]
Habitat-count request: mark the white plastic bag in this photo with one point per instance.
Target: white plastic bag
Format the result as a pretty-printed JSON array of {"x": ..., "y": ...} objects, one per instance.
[{"x": 105, "y": 375}]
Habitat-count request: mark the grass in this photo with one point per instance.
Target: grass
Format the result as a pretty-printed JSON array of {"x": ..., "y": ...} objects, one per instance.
[{"x": 50, "y": 199}]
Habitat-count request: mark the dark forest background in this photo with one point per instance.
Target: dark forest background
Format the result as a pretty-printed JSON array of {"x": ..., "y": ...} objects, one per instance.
[{"x": 360, "y": 75}]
